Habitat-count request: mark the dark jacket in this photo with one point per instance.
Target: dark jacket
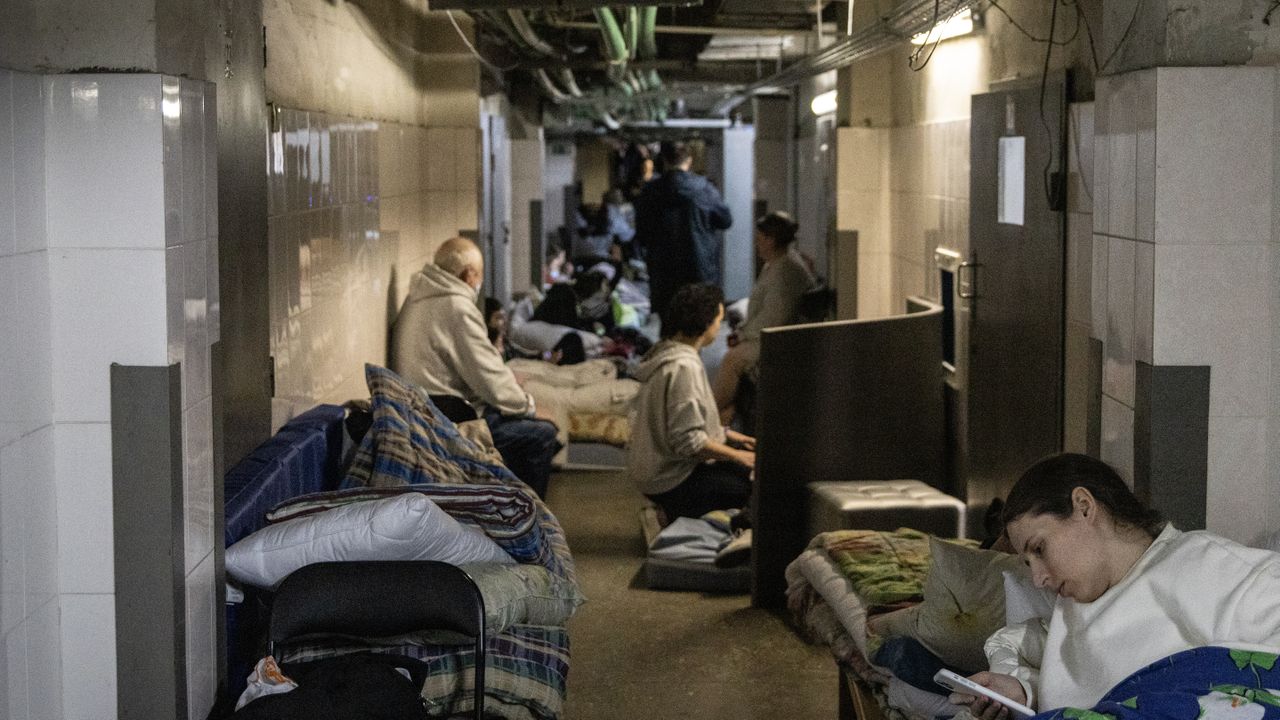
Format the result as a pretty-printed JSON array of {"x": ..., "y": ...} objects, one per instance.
[{"x": 677, "y": 216}]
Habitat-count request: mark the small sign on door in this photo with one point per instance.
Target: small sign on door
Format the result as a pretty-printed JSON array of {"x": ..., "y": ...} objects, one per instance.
[{"x": 1012, "y": 180}]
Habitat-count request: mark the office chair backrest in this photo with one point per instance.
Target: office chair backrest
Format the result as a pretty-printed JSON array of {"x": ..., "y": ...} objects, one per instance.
[{"x": 379, "y": 599}]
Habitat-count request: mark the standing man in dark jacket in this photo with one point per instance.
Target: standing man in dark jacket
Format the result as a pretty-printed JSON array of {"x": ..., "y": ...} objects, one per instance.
[{"x": 677, "y": 217}]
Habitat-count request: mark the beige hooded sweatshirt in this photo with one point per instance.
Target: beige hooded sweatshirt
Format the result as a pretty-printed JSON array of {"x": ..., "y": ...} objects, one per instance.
[
  {"x": 674, "y": 416},
  {"x": 441, "y": 343}
]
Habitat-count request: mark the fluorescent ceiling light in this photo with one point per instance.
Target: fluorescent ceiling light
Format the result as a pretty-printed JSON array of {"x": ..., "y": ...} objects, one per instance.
[
  {"x": 824, "y": 103},
  {"x": 959, "y": 24}
]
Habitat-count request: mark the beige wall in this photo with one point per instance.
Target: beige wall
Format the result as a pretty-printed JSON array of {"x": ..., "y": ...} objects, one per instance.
[
  {"x": 374, "y": 157},
  {"x": 594, "y": 157}
]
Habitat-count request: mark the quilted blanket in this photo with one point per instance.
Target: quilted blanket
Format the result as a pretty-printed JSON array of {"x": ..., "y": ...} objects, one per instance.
[
  {"x": 1208, "y": 683},
  {"x": 885, "y": 568}
]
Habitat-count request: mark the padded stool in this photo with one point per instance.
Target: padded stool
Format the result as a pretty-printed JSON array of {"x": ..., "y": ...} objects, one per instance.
[{"x": 883, "y": 505}]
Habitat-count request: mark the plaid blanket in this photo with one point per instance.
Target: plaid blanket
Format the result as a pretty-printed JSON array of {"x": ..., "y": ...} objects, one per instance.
[
  {"x": 412, "y": 443},
  {"x": 526, "y": 669}
]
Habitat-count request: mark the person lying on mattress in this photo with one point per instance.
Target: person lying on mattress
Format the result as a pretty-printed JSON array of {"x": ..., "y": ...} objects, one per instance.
[
  {"x": 1130, "y": 588},
  {"x": 679, "y": 455}
]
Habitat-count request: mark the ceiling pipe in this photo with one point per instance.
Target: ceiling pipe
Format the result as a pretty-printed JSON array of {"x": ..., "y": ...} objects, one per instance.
[
  {"x": 647, "y": 44},
  {"x": 684, "y": 29},
  {"x": 548, "y": 87},
  {"x": 525, "y": 31},
  {"x": 570, "y": 83},
  {"x": 633, "y": 31},
  {"x": 907, "y": 19}
]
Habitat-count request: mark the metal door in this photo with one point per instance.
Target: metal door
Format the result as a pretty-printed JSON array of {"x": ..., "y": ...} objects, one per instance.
[
  {"x": 1015, "y": 278},
  {"x": 496, "y": 233}
]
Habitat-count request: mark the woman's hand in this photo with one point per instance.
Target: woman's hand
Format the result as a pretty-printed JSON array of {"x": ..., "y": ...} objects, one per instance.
[
  {"x": 746, "y": 441},
  {"x": 745, "y": 458},
  {"x": 985, "y": 708}
]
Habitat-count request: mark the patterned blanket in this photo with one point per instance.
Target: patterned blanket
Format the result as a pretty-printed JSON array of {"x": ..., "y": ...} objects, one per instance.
[
  {"x": 526, "y": 669},
  {"x": 885, "y": 568},
  {"x": 1208, "y": 683},
  {"x": 412, "y": 447}
]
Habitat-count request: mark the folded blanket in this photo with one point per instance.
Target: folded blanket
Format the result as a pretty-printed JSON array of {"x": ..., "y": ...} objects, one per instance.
[{"x": 884, "y": 567}]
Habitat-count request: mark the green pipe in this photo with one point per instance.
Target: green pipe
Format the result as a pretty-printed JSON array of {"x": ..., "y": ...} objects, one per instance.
[
  {"x": 615, "y": 46},
  {"x": 647, "y": 43},
  {"x": 633, "y": 31}
]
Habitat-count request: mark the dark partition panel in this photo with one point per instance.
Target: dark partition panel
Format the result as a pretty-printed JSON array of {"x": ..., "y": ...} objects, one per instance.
[{"x": 848, "y": 400}]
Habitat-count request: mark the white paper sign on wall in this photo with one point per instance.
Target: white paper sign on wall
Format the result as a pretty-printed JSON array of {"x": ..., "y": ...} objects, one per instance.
[{"x": 1012, "y": 180}]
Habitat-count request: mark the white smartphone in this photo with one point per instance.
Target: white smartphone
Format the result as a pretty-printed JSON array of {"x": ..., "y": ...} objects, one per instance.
[{"x": 965, "y": 686}]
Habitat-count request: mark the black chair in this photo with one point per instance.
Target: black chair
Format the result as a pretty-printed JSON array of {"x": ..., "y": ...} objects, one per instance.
[
  {"x": 455, "y": 408},
  {"x": 369, "y": 599}
]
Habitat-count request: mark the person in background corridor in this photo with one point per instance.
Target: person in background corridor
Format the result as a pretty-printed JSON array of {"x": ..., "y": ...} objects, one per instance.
[
  {"x": 678, "y": 215},
  {"x": 441, "y": 342}
]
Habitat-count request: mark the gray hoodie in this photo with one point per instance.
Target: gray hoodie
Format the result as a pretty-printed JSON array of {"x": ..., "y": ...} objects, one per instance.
[
  {"x": 673, "y": 417},
  {"x": 441, "y": 343}
]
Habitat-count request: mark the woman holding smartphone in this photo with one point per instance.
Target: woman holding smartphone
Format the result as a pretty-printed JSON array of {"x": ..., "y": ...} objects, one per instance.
[{"x": 1130, "y": 588}]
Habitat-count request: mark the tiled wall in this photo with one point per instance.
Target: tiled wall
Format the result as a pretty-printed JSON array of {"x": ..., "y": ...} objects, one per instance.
[
  {"x": 906, "y": 191},
  {"x": 1184, "y": 235},
  {"x": 1079, "y": 384},
  {"x": 356, "y": 207},
  {"x": 112, "y": 233},
  {"x": 30, "y": 631}
]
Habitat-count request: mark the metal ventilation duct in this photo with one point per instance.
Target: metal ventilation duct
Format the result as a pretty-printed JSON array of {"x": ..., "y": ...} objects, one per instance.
[{"x": 909, "y": 18}]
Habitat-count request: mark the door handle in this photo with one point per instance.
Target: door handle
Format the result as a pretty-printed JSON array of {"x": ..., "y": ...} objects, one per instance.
[{"x": 971, "y": 283}]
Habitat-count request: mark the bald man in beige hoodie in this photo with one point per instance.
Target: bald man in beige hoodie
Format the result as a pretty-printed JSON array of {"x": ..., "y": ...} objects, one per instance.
[{"x": 440, "y": 342}]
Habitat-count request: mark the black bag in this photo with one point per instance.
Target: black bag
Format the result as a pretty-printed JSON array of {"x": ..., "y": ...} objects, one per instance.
[{"x": 363, "y": 686}]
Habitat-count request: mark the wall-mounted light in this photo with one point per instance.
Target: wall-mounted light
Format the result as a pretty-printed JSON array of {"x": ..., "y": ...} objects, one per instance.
[
  {"x": 959, "y": 24},
  {"x": 824, "y": 103}
]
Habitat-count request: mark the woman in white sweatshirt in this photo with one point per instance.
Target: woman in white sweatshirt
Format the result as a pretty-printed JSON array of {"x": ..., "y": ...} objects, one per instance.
[
  {"x": 1131, "y": 590},
  {"x": 679, "y": 455}
]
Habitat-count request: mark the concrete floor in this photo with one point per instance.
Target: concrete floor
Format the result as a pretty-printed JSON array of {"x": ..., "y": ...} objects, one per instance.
[{"x": 639, "y": 653}]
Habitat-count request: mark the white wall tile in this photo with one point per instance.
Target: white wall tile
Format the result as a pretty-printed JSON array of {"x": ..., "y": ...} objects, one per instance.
[
  {"x": 14, "y": 494},
  {"x": 1239, "y": 489},
  {"x": 1102, "y": 156},
  {"x": 202, "y": 655},
  {"x": 193, "y": 159},
  {"x": 86, "y": 541},
  {"x": 98, "y": 320},
  {"x": 1213, "y": 182},
  {"x": 40, "y": 526},
  {"x": 467, "y": 169},
  {"x": 1212, "y": 307},
  {"x": 171, "y": 134},
  {"x": 1117, "y": 437},
  {"x": 1079, "y": 267},
  {"x": 1144, "y": 117},
  {"x": 89, "y": 656},
  {"x": 45, "y": 679},
  {"x": 105, "y": 127},
  {"x": 30, "y": 221},
  {"x": 13, "y": 674},
  {"x": 441, "y": 165},
  {"x": 197, "y": 443},
  {"x": 210, "y": 159},
  {"x": 1098, "y": 289},
  {"x": 195, "y": 369},
  {"x": 1080, "y": 158},
  {"x": 175, "y": 273},
  {"x": 26, "y": 345},
  {"x": 213, "y": 304},
  {"x": 1118, "y": 352},
  {"x": 1144, "y": 276},
  {"x": 7, "y": 222}
]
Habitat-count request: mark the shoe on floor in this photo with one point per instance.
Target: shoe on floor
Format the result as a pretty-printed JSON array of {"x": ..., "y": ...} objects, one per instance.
[{"x": 736, "y": 552}]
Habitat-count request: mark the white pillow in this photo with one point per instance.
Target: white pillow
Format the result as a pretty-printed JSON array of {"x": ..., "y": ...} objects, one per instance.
[
  {"x": 404, "y": 527},
  {"x": 1024, "y": 601}
]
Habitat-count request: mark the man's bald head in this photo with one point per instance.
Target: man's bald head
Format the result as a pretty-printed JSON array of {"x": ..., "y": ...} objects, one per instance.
[{"x": 461, "y": 258}]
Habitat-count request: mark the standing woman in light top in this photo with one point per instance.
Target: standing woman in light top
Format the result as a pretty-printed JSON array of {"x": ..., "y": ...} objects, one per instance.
[
  {"x": 1131, "y": 590},
  {"x": 775, "y": 300},
  {"x": 679, "y": 455}
]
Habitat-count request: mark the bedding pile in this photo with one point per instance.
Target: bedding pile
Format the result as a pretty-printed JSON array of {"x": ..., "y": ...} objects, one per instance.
[
  {"x": 892, "y": 614},
  {"x": 420, "y": 488}
]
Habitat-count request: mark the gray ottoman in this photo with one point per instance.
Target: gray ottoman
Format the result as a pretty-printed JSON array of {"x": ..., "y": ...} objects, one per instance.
[{"x": 883, "y": 505}]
